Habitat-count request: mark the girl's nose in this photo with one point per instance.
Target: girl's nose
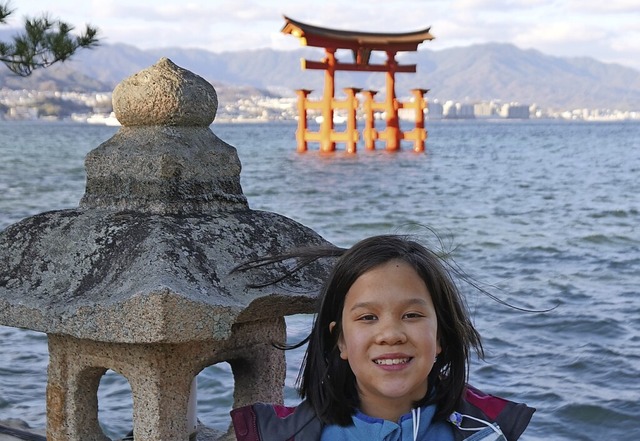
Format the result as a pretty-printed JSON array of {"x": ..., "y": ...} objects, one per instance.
[{"x": 390, "y": 333}]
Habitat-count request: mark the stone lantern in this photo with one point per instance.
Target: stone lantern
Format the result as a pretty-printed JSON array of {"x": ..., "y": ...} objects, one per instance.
[{"x": 138, "y": 278}]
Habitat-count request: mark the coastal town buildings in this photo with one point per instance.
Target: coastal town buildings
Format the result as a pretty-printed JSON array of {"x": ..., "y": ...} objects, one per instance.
[{"x": 96, "y": 108}]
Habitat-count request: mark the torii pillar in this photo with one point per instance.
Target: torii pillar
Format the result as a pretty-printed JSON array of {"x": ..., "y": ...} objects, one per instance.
[
  {"x": 326, "y": 127},
  {"x": 392, "y": 133}
]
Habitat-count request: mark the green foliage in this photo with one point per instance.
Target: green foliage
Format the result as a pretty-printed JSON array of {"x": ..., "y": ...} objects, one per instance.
[{"x": 45, "y": 41}]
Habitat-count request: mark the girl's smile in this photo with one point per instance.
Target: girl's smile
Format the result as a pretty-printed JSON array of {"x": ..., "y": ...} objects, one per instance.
[
  {"x": 392, "y": 360},
  {"x": 389, "y": 336}
]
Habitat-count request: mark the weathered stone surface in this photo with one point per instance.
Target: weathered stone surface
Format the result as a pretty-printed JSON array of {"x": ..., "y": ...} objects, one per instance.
[
  {"x": 164, "y": 159},
  {"x": 164, "y": 170},
  {"x": 165, "y": 95},
  {"x": 126, "y": 276},
  {"x": 160, "y": 376}
]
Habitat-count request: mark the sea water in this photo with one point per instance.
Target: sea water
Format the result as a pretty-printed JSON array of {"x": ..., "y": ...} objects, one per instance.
[{"x": 542, "y": 214}]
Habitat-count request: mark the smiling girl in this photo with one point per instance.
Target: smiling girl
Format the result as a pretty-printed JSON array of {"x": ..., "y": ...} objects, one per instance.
[{"x": 387, "y": 359}]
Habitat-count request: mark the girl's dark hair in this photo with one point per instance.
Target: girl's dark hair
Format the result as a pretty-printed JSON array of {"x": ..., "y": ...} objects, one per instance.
[{"x": 327, "y": 381}]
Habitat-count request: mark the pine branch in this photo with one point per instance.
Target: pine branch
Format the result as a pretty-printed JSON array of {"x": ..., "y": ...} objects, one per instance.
[{"x": 43, "y": 43}]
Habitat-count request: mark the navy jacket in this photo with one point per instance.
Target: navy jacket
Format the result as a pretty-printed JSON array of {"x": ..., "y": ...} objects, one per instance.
[{"x": 267, "y": 422}]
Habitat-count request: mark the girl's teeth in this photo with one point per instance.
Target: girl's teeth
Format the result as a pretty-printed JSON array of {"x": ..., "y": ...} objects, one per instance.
[{"x": 391, "y": 361}]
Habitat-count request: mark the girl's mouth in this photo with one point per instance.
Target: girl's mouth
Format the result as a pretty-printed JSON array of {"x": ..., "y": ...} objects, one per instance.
[{"x": 391, "y": 361}]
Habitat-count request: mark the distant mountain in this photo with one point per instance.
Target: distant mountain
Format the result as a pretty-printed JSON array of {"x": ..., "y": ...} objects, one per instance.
[
  {"x": 474, "y": 73},
  {"x": 67, "y": 76},
  {"x": 503, "y": 71}
]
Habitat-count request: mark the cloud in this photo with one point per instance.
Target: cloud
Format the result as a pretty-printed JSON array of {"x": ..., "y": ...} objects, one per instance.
[
  {"x": 556, "y": 33},
  {"x": 607, "y": 30},
  {"x": 605, "y": 7},
  {"x": 501, "y": 7},
  {"x": 372, "y": 16}
]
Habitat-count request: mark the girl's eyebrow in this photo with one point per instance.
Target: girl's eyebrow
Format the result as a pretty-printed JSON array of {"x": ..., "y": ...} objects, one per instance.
[{"x": 409, "y": 302}]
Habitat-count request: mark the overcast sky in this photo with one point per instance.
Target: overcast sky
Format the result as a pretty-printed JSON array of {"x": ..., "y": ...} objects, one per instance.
[{"x": 607, "y": 30}]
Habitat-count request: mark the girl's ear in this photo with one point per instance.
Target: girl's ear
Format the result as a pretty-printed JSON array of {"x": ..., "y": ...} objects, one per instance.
[{"x": 343, "y": 354}]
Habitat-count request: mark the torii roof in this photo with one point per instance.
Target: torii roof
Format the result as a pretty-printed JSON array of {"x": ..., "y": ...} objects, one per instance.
[{"x": 317, "y": 36}]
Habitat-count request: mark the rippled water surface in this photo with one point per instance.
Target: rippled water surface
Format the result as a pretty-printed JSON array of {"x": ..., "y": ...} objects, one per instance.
[{"x": 540, "y": 213}]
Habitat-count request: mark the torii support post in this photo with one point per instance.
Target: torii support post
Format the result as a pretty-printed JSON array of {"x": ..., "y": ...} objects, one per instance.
[
  {"x": 352, "y": 125},
  {"x": 370, "y": 132},
  {"x": 392, "y": 133},
  {"x": 301, "y": 133},
  {"x": 326, "y": 127},
  {"x": 418, "y": 135},
  {"x": 350, "y": 135}
]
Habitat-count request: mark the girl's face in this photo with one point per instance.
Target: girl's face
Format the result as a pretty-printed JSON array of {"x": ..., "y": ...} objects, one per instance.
[{"x": 390, "y": 338}]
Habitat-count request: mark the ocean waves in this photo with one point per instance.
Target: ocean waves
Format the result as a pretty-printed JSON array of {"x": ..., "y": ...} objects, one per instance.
[{"x": 548, "y": 224}]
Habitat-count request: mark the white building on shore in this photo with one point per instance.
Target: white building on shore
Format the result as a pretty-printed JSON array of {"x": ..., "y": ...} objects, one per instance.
[{"x": 515, "y": 111}]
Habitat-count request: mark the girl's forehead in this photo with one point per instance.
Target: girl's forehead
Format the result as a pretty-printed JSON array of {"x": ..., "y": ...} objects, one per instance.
[
  {"x": 387, "y": 283},
  {"x": 388, "y": 269}
]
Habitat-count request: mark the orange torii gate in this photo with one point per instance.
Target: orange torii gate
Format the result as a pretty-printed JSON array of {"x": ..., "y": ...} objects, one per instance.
[{"x": 361, "y": 44}]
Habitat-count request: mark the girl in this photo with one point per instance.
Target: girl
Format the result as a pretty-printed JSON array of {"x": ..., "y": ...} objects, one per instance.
[{"x": 387, "y": 359}]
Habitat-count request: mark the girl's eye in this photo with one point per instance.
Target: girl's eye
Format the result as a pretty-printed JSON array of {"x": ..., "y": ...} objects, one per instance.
[
  {"x": 367, "y": 317},
  {"x": 411, "y": 315}
]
